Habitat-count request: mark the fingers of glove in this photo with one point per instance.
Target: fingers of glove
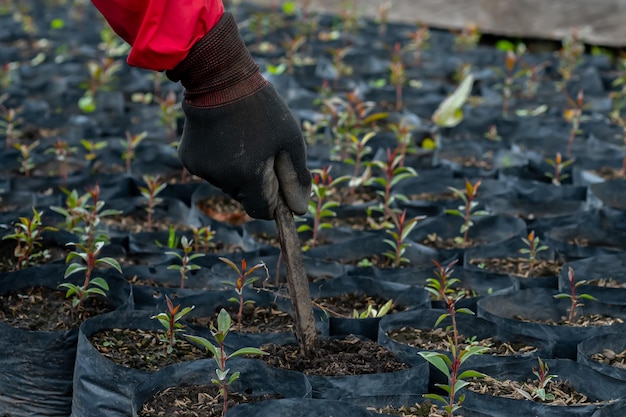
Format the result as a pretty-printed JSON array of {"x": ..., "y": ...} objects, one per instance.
[
  {"x": 295, "y": 182},
  {"x": 260, "y": 196}
]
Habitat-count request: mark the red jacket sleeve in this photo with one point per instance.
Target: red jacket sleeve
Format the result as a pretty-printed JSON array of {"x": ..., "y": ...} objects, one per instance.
[{"x": 161, "y": 32}]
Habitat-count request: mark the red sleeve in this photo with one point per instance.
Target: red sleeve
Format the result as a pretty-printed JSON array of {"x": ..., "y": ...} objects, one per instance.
[{"x": 161, "y": 32}]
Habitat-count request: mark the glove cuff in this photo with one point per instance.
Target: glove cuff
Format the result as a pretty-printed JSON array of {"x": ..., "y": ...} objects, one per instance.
[{"x": 219, "y": 68}]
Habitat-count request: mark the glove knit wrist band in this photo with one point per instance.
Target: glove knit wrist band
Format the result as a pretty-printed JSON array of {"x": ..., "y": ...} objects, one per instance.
[{"x": 219, "y": 68}]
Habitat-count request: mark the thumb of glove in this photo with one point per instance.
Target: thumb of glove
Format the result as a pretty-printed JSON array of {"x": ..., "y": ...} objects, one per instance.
[{"x": 294, "y": 181}]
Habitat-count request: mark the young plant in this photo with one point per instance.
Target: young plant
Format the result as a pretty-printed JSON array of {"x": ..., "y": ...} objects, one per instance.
[
  {"x": 419, "y": 42},
  {"x": 573, "y": 115},
  {"x": 320, "y": 208},
  {"x": 153, "y": 188},
  {"x": 371, "y": 312},
  {"x": 223, "y": 380},
  {"x": 62, "y": 151},
  {"x": 341, "y": 68},
  {"x": 467, "y": 210},
  {"x": 397, "y": 75},
  {"x": 442, "y": 287},
  {"x": 617, "y": 118},
  {"x": 468, "y": 38},
  {"x": 92, "y": 147},
  {"x": 202, "y": 237},
  {"x": 170, "y": 111},
  {"x": 27, "y": 163},
  {"x": 574, "y": 298},
  {"x": 170, "y": 320},
  {"x": 244, "y": 279},
  {"x": 570, "y": 55},
  {"x": 559, "y": 165},
  {"x": 509, "y": 76},
  {"x": 101, "y": 77},
  {"x": 449, "y": 113},
  {"x": 450, "y": 366},
  {"x": 130, "y": 146},
  {"x": 533, "y": 247},
  {"x": 10, "y": 123},
  {"x": 393, "y": 172},
  {"x": 185, "y": 260},
  {"x": 399, "y": 244},
  {"x": 532, "y": 392},
  {"x": 358, "y": 149},
  {"x": 88, "y": 249},
  {"x": 28, "y": 237}
]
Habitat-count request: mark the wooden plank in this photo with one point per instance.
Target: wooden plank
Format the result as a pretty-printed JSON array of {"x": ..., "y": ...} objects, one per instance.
[{"x": 601, "y": 22}]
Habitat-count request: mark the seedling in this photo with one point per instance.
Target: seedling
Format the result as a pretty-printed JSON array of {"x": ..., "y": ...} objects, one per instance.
[
  {"x": 371, "y": 312},
  {"x": 359, "y": 149},
  {"x": 405, "y": 138},
  {"x": 92, "y": 147},
  {"x": 341, "y": 68},
  {"x": 468, "y": 38},
  {"x": 492, "y": 134},
  {"x": 244, "y": 279},
  {"x": 153, "y": 188},
  {"x": 170, "y": 320},
  {"x": 85, "y": 219},
  {"x": 393, "y": 173},
  {"x": 170, "y": 111},
  {"x": 442, "y": 287},
  {"x": 202, "y": 237},
  {"x": 10, "y": 124},
  {"x": 451, "y": 366},
  {"x": 218, "y": 352},
  {"x": 27, "y": 163},
  {"x": 419, "y": 42},
  {"x": 573, "y": 115},
  {"x": 397, "y": 75},
  {"x": 543, "y": 379},
  {"x": 185, "y": 260},
  {"x": 320, "y": 208},
  {"x": 62, "y": 151},
  {"x": 570, "y": 55},
  {"x": 468, "y": 210},
  {"x": 509, "y": 76},
  {"x": 383, "y": 16},
  {"x": 399, "y": 242},
  {"x": 173, "y": 241},
  {"x": 101, "y": 77},
  {"x": 28, "y": 237},
  {"x": 533, "y": 247},
  {"x": 130, "y": 146},
  {"x": 575, "y": 298},
  {"x": 559, "y": 165},
  {"x": 617, "y": 118}
]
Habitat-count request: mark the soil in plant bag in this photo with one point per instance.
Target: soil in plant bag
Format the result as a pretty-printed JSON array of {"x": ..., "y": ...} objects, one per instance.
[
  {"x": 605, "y": 353},
  {"x": 187, "y": 390},
  {"x": 350, "y": 366},
  {"x": 577, "y": 390}
]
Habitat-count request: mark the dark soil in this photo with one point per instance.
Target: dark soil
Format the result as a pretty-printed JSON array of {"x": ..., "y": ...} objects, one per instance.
[
  {"x": 608, "y": 357},
  {"x": 425, "y": 409},
  {"x": 254, "y": 319},
  {"x": 438, "y": 242},
  {"x": 46, "y": 309},
  {"x": 519, "y": 267},
  {"x": 142, "y": 349},
  {"x": 194, "y": 401},
  {"x": 586, "y": 320},
  {"x": 224, "y": 209},
  {"x": 335, "y": 357},
  {"x": 606, "y": 283},
  {"x": 437, "y": 339},
  {"x": 345, "y": 305},
  {"x": 564, "y": 393}
]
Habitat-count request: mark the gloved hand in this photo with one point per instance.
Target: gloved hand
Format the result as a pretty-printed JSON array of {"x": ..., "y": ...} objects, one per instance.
[{"x": 239, "y": 134}]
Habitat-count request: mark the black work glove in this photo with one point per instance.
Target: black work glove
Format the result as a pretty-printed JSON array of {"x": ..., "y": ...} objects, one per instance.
[{"x": 239, "y": 134}]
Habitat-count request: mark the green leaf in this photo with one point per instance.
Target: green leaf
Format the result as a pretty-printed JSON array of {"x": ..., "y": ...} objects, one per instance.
[
  {"x": 437, "y": 360},
  {"x": 231, "y": 264},
  {"x": 465, "y": 311},
  {"x": 436, "y": 397},
  {"x": 223, "y": 321},
  {"x": 247, "y": 351},
  {"x": 94, "y": 290},
  {"x": 559, "y": 296},
  {"x": 449, "y": 113},
  {"x": 73, "y": 268},
  {"x": 587, "y": 297},
  {"x": 441, "y": 318},
  {"x": 471, "y": 374},
  {"x": 233, "y": 378},
  {"x": 100, "y": 282},
  {"x": 111, "y": 262},
  {"x": 204, "y": 343}
]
